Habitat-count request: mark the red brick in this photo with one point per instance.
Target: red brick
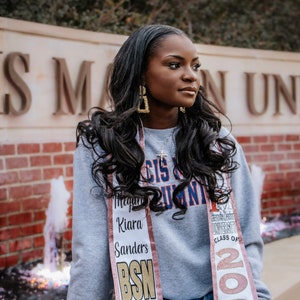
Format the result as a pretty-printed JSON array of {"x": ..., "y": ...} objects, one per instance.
[
  {"x": 294, "y": 155},
  {"x": 38, "y": 241},
  {"x": 63, "y": 159},
  {"x": 20, "y": 191},
  {"x": 284, "y": 147},
  {"x": 293, "y": 175},
  {"x": 34, "y": 204},
  {"x": 292, "y": 137},
  {"x": 276, "y": 138},
  {"x": 260, "y": 158},
  {"x": 244, "y": 139},
  {"x": 275, "y": 185},
  {"x": 272, "y": 194},
  {"x": 9, "y": 233},
  {"x": 69, "y": 146},
  {"x": 278, "y": 211},
  {"x": 70, "y": 208},
  {"x": 68, "y": 235},
  {"x": 274, "y": 177},
  {"x": 3, "y": 221},
  {"x": 39, "y": 215},
  {"x": 296, "y": 146},
  {"x": 41, "y": 189},
  {"x": 8, "y": 261},
  {"x": 7, "y": 150},
  {"x": 69, "y": 185},
  {"x": 270, "y": 204},
  {"x": 267, "y": 148},
  {"x": 297, "y": 185},
  {"x": 40, "y": 160},
  {"x": 69, "y": 171},
  {"x": 28, "y": 148},
  {"x": 16, "y": 162},
  {"x": 30, "y": 175},
  {"x": 50, "y": 173},
  {"x": 9, "y": 207},
  {"x": 32, "y": 254},
  {"x": 292, "y": 210},
  {"x": 260, "y": 139},
  {"x": 251, "y": 148},
  {"x": 286, "y": 202},
  {"x": 32, "y": 229},
  {"x": 268, "y": 167},
  {"x": 286, "y": 166},
  {"x": 20, "y": 218},
  {"x": 52, "y": 147},
  {"x": 68, "y": 224},
  {"x": 3, "y": 248},
  {"x": 3, "y": 194},
  {"x": 1, "y": 164},
  {"x": 20, "y": 244},
  {"x": 8, "y": 178},
  {"x": 277, "y": 157}
]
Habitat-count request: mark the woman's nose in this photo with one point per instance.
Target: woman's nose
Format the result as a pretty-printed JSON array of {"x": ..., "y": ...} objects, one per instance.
[{"x": 190, "y": 74}]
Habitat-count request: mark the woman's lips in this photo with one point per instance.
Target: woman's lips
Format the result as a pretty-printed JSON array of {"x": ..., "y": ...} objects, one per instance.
[{"x": 189, "y": 91}]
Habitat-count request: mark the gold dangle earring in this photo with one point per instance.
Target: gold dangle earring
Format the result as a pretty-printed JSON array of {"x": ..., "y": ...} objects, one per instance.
[
  {"x": 182, "y": 109},
  {"x": 143, "y": 107}
]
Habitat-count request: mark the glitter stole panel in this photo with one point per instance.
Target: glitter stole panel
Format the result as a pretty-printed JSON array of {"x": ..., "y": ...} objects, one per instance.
[
  {"x": 133, "y": 253},
  {"x": 232, "y": 276}
]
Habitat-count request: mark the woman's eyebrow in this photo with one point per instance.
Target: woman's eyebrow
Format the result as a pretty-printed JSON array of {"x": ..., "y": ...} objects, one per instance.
[{"x": 182, "y": 58}]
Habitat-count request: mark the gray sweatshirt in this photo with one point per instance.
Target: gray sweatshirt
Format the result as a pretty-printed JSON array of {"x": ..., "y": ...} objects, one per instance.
[{"x": 182, "y": 245}]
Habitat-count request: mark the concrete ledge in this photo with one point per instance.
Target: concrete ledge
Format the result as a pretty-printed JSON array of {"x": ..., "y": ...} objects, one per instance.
[{"x": 282, "y": 268}]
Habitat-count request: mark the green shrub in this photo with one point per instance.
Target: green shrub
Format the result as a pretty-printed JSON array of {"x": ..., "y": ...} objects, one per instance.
[{"x": 260, "y": 24}]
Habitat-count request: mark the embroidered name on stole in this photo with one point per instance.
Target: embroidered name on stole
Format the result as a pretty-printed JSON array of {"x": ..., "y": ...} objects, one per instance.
[
  {"x": 132, "y": 251},
  {"x": 231, "y": 272}
]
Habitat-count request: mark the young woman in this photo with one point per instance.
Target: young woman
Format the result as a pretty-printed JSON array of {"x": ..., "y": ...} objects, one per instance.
[{"x": 163, "y": 203}]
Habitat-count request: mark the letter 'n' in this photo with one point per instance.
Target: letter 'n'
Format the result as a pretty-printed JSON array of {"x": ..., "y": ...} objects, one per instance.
[{"x": 218, "y": 95}]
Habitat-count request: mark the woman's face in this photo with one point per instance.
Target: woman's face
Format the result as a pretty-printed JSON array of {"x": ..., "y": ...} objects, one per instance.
[{"x": 172, "y": 77}]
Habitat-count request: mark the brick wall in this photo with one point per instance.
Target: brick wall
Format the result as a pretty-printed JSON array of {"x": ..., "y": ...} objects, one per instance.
[
  {"x": 279, "y": 158},
  {"x": 26, "y": 171}
]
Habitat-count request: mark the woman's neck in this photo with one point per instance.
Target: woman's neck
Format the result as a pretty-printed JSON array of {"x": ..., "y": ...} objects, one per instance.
[{"x": 157, "y": 121}]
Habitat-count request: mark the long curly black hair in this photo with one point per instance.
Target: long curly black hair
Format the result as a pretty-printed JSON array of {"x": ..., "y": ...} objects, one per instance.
[{"x": 116, "y": 130}]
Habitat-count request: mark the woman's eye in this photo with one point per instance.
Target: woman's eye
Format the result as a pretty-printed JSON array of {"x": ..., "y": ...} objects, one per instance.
[
  {"x": 196, "y": 67},
  {"x": 174, "y": 65}
]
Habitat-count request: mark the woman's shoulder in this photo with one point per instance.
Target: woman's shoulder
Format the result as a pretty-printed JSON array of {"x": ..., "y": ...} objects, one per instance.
[
  {"x": 87, "y": 148},
  {"x": 225, "y": 133}
]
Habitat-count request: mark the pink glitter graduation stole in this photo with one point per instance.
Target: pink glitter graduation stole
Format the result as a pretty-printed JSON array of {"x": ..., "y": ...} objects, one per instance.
[
  {"x": 231, "y": 272},
  {"x": 133, "y": 255}
]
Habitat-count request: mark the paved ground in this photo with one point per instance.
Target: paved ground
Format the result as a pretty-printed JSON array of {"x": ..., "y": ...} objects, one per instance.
[{"x": 282, "y": 268}]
